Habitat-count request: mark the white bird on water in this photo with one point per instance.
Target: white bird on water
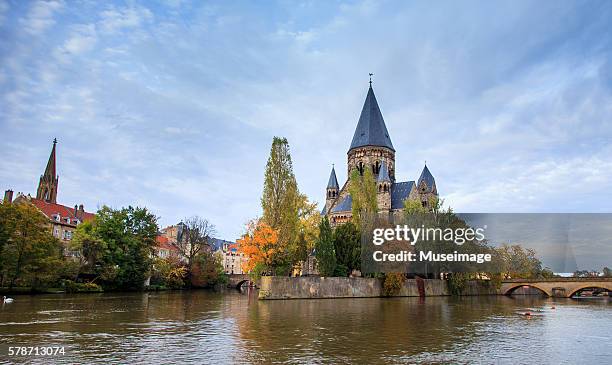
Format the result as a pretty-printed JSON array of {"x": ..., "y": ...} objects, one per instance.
[{"x": 8, "y": 300}]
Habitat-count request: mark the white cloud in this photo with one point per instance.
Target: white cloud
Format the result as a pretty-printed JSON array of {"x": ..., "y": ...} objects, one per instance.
[
  {"x": 115, "y": 19},
  {"x": 41, "y": 16},
  {"x": 82, "y": 39}
]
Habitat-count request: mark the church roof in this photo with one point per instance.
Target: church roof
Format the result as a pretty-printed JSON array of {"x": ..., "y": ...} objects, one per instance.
[
  {"x": 427, "y": 177},
  {"x": 399, "y": 193},
  {"x": 383, "y": 175},
  {"x": 333, "y": 181},
  {"x": 345, "y": 205},
  {"x": 371, "y": 129}
]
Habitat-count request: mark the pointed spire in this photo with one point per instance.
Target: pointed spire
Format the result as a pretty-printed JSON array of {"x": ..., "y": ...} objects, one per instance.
[
  {"x": 383, "y": 175},
  {"x": 427, "y": 177},
  {"x": 371, "y": 129},
  {"x": 333, "y": 181},
  {"x": 50, "y": 169}
]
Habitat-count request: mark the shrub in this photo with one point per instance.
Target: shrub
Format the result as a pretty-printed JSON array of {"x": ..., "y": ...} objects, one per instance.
[
  {"x": 72, "y": 287},
  {"x": 393, "y": 283}
]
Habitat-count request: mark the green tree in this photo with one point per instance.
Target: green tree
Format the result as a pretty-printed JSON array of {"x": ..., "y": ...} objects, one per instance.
[
  {"x": 118, "y": 246},
  {"x": 326, "y": 257},
  {"x": 280, "y": 202},
  {"x": 30, "y": 255},
  {"x": 363, "y": 193},
  {"x": 518, "y": 262},
  {"x": 347, "y": 245}
]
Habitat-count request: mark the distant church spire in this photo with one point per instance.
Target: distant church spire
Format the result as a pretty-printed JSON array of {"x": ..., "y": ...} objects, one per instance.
[{"x": 47, "y": 186}]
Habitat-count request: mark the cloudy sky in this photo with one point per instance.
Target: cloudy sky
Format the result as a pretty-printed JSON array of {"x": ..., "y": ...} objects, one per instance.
[{"x": 173, "y": 105}]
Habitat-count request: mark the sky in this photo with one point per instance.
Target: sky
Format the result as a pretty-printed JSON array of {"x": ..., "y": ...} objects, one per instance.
[{"x": 173, "y": 105}]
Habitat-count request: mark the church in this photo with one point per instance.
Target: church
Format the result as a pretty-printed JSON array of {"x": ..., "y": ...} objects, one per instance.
[
  {"x": 371, "y": 148},
  {"x": 63, "y": 220}
]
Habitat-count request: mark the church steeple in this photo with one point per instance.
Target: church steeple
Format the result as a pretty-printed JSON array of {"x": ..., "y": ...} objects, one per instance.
[
  {"x": 371, "y": 129},
  {"x": 47, "y": 186}
]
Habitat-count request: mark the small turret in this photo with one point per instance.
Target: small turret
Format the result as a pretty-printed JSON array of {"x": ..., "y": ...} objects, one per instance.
[
  {"x": 332, "y": 189},
  {"x": 426, "y": 187}
]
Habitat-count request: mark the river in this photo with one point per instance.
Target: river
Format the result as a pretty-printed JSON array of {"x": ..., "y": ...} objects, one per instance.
[{"x": 206, "y": 327}]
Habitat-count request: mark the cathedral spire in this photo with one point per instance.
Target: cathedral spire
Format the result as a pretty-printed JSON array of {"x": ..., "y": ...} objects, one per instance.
[
  {"x": 371, "y": 129},
  {"x": 47, "y": 186}
]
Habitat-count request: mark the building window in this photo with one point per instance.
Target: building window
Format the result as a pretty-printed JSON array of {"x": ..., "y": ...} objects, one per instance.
[{"x": 67, "y": 235}]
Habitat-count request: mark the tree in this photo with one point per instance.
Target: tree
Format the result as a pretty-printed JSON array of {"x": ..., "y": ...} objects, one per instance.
[
  {"x": 326, "y": 257},
  {"x": 518, "y": 262},
  {"x": 208, "y": 270},
  {"x": 119, "y": 246},
  {"x": 260, "y": 246},
  {"x": 194, "y": 239},
  {"x": 347, "y": 246},
  {"x": 607, "y": 272},
  {"x": 280, "y": 200},
  {"x": 363, "y": 193},
  {"x": 29, "y": 255}
]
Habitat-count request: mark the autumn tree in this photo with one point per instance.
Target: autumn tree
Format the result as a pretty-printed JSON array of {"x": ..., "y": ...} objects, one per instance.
[
  {"x": 325, "y": 252},
  {"x": 260, "y": 246},
  {"x": 280, "y": 201},
  {"x": 363, "y": 193},
  {"x": 194, "y": 238}
]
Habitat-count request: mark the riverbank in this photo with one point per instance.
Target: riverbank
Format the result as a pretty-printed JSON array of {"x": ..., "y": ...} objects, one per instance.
[{"x": 276, "y": 287}]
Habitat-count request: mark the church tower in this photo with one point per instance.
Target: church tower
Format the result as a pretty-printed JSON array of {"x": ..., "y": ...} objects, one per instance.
[
  {"x": 332, "y": 190},
  {"x": 371, "y": 142},
  {"x": 47, "y": 186}
]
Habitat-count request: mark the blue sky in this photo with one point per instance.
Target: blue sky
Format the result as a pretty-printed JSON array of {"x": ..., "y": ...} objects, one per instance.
[{"x": 173, "y": 105}]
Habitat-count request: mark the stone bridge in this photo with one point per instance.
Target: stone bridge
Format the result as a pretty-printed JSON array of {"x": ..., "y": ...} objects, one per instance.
[
  {"x": 237, "y": 280},
  {"x": 557, "y": 287}
]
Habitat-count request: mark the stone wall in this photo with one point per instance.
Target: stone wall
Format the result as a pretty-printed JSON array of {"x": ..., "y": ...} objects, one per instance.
[{"x": 276, "y": 287}]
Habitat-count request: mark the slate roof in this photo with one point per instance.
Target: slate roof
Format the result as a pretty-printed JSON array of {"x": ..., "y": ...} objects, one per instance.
[
  {"x": 371, "y": 129},
  {"x": 427, "y": 177},
  {"x": 399, "y": 193},
  {"x": 383, "y": 175},
  {"x": 333, "y": 181},
  {"x": 344, "y": 206}
]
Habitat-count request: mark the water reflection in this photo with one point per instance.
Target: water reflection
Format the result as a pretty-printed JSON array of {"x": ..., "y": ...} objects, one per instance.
[{"x": 201, "y": 326}]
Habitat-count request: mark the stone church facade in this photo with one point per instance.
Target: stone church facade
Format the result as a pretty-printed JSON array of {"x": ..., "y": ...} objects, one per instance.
[{"x": 371, "y": 148}]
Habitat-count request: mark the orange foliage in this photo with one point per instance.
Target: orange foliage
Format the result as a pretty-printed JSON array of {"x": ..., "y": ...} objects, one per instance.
[{"x": 259, "y": 245}]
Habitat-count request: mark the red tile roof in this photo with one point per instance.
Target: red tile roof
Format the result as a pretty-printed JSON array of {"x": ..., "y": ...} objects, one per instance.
[
  {"x": 164, "y": 244},
  {"x": 51, "y": 209}
]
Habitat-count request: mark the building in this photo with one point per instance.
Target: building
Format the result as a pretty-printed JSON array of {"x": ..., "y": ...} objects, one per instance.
[
  {"x": 63, "y": 219},
  {"x": 232, "y": 260},
  {"x": 164, "y": 249},
  {"x": 371, "y": 148}
]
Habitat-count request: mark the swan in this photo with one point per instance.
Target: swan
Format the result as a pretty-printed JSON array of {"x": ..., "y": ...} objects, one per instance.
[{"x": 8, "y": 300}]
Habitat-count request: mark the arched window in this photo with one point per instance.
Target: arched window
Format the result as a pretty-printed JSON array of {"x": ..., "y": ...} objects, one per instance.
[{"x": 360, "y": 168}]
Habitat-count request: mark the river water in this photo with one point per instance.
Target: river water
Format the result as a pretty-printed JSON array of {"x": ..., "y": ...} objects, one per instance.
[{"x": 206, "y": 327}]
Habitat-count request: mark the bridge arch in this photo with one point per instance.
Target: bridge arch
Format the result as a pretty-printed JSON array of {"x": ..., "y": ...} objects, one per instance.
[
  {"x": 241, "y": 283},
  {"x": 512, "y": 288},
  {"x": 601, "y": 285}
]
